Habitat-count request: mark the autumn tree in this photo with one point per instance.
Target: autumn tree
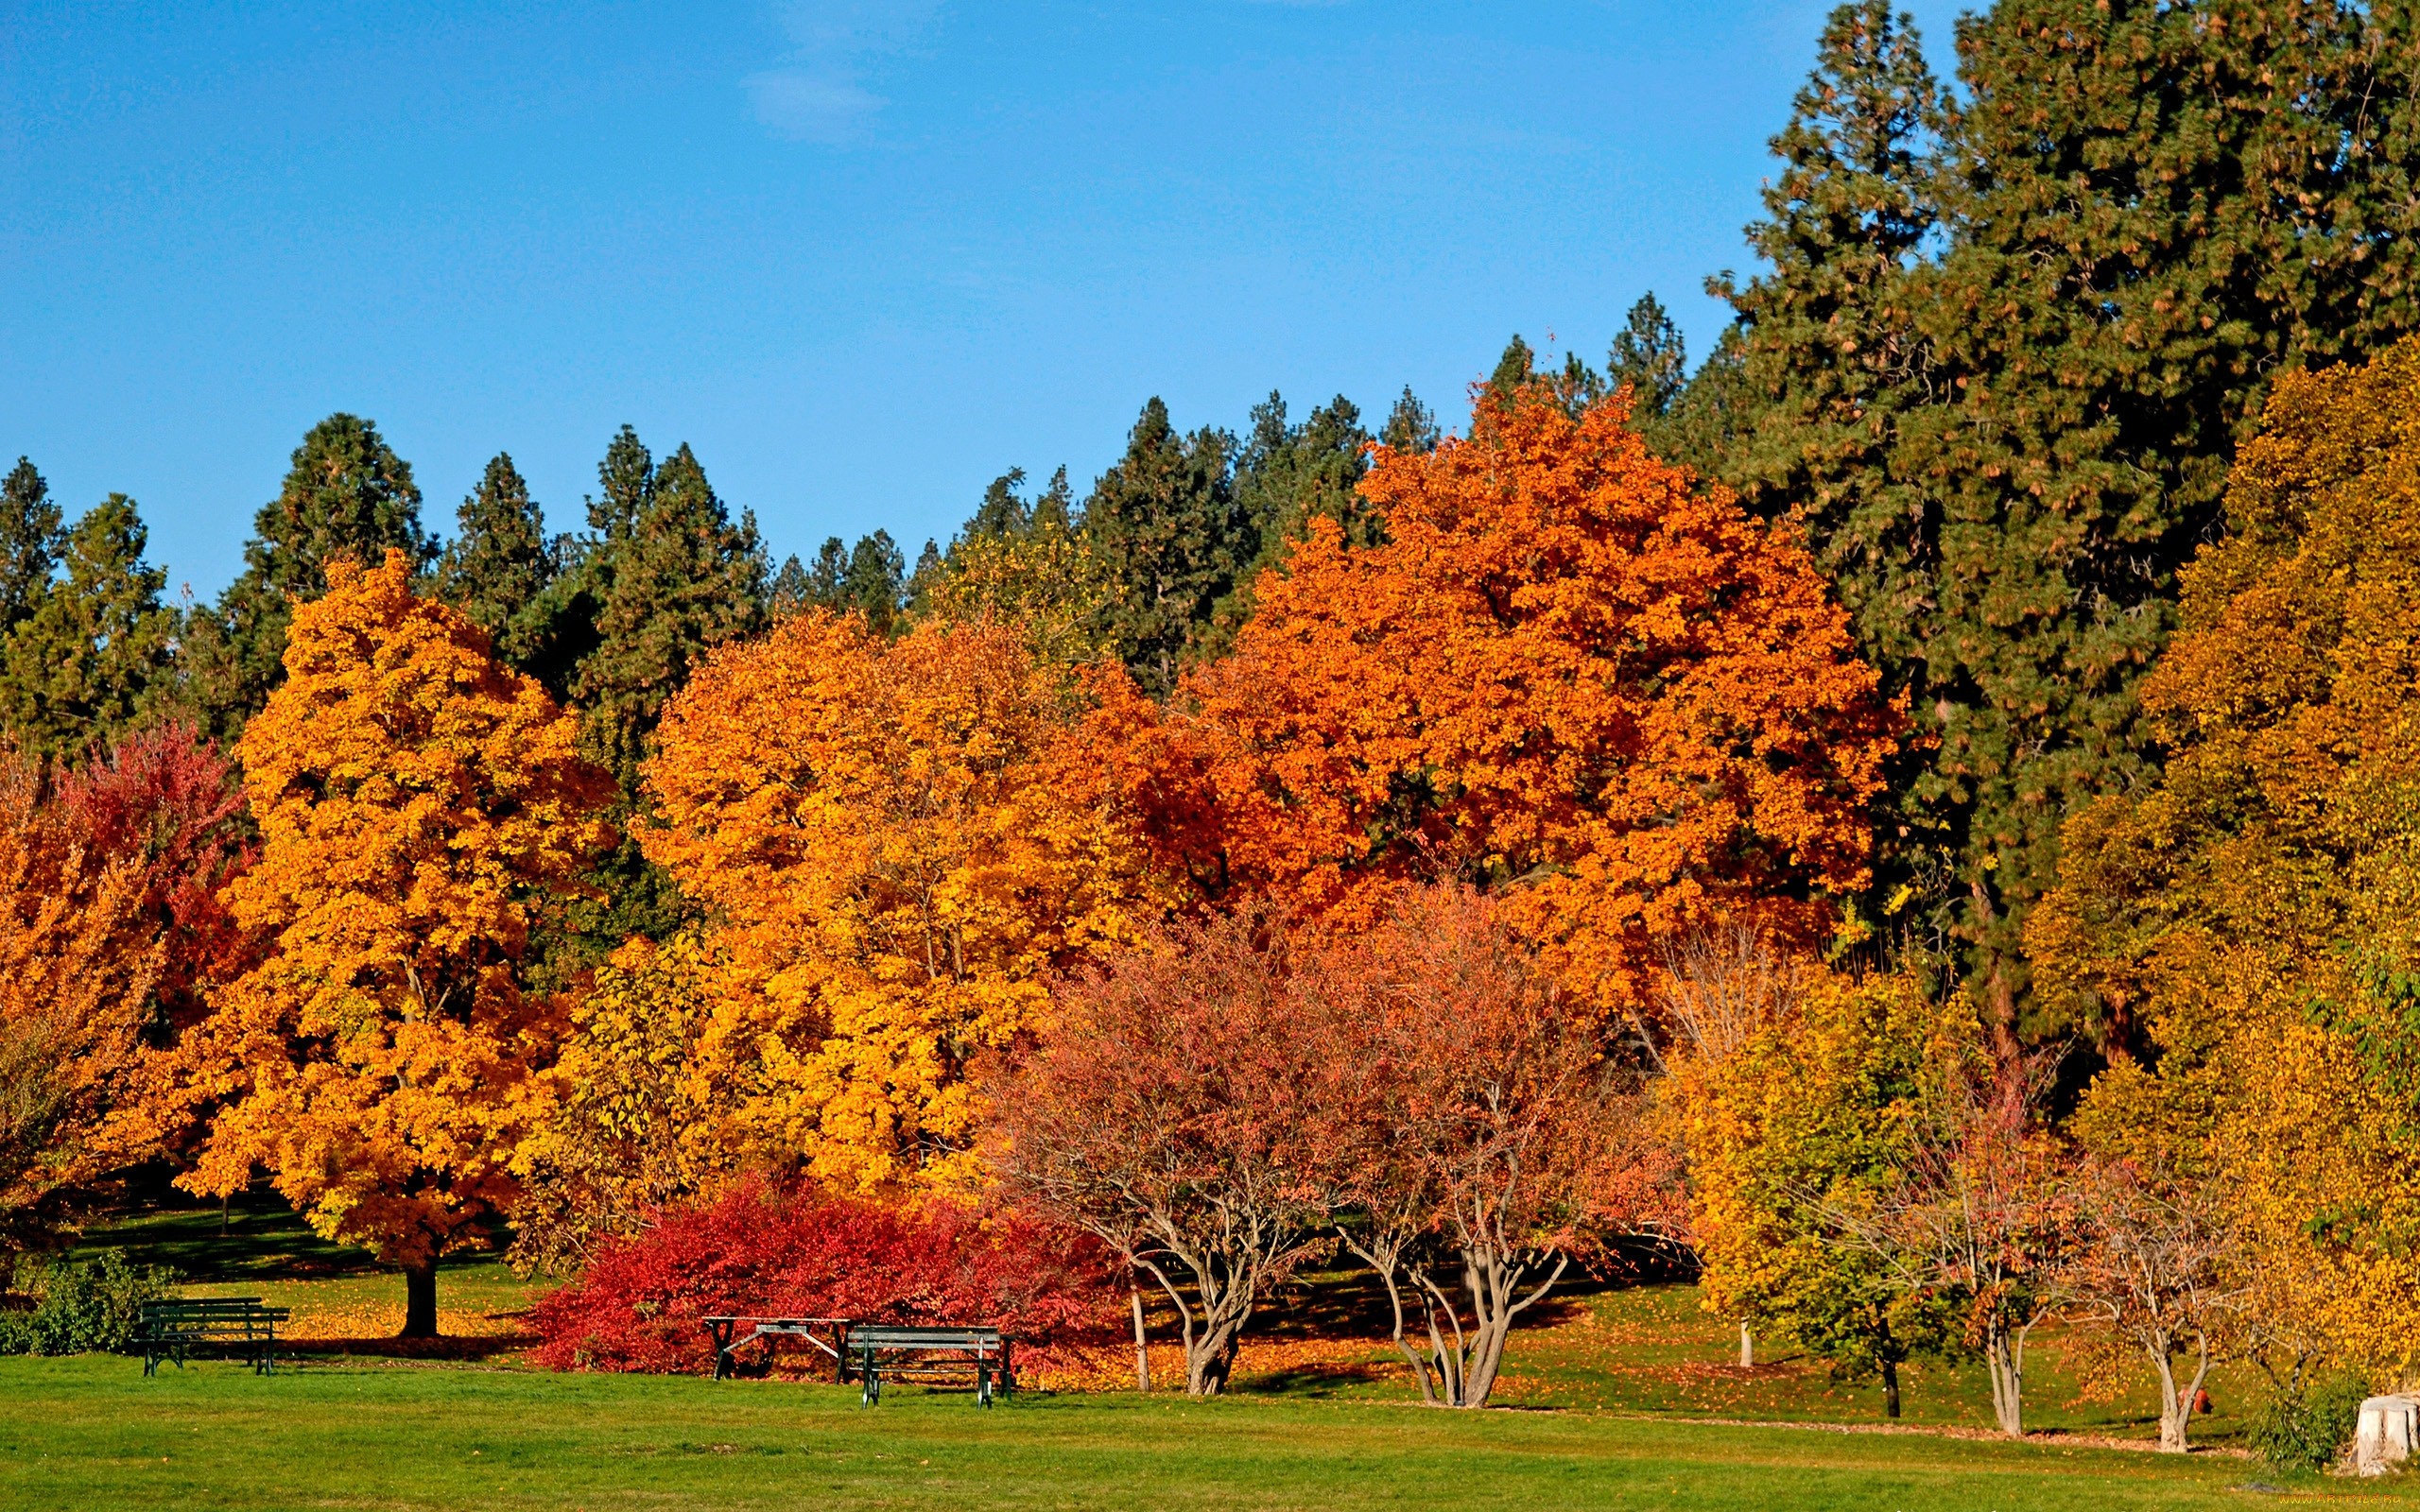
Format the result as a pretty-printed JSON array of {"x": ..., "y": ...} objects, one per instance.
[
  {"x": 1166, "y": 1109},
  {"x": 1799, "y": 1137},
  {"x": 1468, "y": 1116},
  {"x": 347, "y": 497},
  {"x": 79, "y": 960},
  {"x": 897, "y": 850},
  {"x": 168, "y": 801},
  {"x": 416, "y": 801},
  {"x": 642, "y": 1104},
  {"x": 1567, "y": 668},
  {"x": 2239, "y": 931}
]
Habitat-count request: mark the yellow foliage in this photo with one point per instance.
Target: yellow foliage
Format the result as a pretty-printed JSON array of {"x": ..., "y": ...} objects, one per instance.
[
  {"x": 2256, "y": 916},
  {"x": 896, "y": 848},
  {"x": 416, "y": 801}
]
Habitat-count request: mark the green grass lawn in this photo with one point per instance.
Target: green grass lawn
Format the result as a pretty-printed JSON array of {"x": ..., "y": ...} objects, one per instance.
[
  {"x": 94, "y": 1433},
  {"x": 1614, "y": 1399}
]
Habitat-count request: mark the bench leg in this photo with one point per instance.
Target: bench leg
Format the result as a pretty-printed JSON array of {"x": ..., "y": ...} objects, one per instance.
[
  {"x": 873, "y": 1392},
  {"x": 982, "y": 1384}
]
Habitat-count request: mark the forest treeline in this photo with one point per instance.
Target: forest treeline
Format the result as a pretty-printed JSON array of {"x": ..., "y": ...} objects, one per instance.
[{"x": 1914, "y": 810}]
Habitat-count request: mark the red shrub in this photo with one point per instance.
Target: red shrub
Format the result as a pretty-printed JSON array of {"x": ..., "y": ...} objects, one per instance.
[{"x": 762, "y": 1251}]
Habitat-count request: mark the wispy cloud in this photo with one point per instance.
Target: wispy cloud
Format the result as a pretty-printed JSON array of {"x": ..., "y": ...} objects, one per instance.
[{"x": 819, "y": 90}]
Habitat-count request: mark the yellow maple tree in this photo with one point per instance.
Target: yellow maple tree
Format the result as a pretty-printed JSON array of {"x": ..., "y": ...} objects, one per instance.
[
  {"x": 897, "y": 845},
  {"x": 417, "y": 801}
]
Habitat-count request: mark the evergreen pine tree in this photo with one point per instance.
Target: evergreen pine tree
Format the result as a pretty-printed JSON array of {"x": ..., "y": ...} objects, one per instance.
[
  {"x": 1409, "y": 425},
  {"x": 2153, "y": 207},
  {"x": 792, "y": 589},
  {"x": 84, "y": 667},
  {"x": 670, "y": 577},
  {"x": 1165, "y": 524},
  {"x": 29, "y": 541},
  {"x": 347, "y": 494},
  {"x": 828, "y": 583},
  {"x": 876, "y": 582},
  {"x": 1286, "y": 476},
  {"x": 1649, "y": 355},
  {"x": 497, "y": 568}
]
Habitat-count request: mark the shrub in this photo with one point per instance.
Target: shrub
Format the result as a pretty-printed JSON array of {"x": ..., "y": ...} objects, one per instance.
[
  {"x": 2307, "y": 1427},
  {"x": 80, "y": 1307},
  {"x": 762, "y": 1250}
]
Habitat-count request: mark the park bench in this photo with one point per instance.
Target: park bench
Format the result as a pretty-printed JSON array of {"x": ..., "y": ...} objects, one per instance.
[
  {"x": 236, "y": 1327},
  {"x": 931, "y": 1354},
  {"x": 823, "y": 1332}
]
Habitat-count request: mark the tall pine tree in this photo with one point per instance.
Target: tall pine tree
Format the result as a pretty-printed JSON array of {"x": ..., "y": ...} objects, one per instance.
[
  {"x": 1165, "y": 521},
  {"x": 1649, "y": 355},
  {"x": 86, "y": 665},
  {"x": 346, "y": 495},
  {"x": 670, "y": 576},
  {"x": 498, "y": 568},
  {"x": 29, "y": 540}
]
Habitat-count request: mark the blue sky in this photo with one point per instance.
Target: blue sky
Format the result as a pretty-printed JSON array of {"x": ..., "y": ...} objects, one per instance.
[{"x": 862, "y": 256}]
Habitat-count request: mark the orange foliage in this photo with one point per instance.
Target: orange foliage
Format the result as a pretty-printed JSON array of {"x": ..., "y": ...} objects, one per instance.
[
  {"x": 896, "y": 854},
  {"x": 416, "y": 801},
  {"x": 1570, "y": 673},
  {"x": 79, "y": 958}
]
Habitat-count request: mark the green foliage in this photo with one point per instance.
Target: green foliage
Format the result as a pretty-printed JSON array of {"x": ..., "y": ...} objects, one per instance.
[
  {"x": 1286, "y": 476},
  {"x": 1166, "y": 525},
  {"x": 2006, "y": 350},
  {"x": 81, "y": 1306},
  {"x": 347, "y": 495},
  {"x": 2306, "y": 1425},
  {"x": 1649, "y": 355},
  {"x": 29, "y": 541},
  {"x": 1409, "y": 425},
  {"x": 498, "y": 568},
  {"x": 84, "y": 666},
  {"x": 665, "y": 578}
]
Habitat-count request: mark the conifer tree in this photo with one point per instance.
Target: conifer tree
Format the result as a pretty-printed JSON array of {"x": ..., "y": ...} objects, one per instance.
[
  {"x": 1165, "y": 521},
  {"x": 670, "y": 575},
  {"x": 876, "y": 582},
  {"x": 2153, "y": 207},
  {"x": 29, "y": 540},
  {"x": 1410, "y": 426},
  {"x": 347, "y": 496},
  {"x": 497, "y": 570},
  {"x": 1286, "y": 476},
  {"x": 1649, "y": 355},
  {"x": 792, "y": 589},
  {"x": 82, "y": 668}
]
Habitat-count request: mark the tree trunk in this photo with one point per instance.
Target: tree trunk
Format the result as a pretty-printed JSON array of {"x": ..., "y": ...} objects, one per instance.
[
  {"x": 1747, "y": 1347},
  {"x": 2176, "y": 1402},
  {"x": 1494, "y": 1283},
  {"x": 2004, "y": 1360},
  {"x": 420, "y": 1300},
  {"x": 1890, "y": 1389},
  {"x": 1142, "y": 1343}
]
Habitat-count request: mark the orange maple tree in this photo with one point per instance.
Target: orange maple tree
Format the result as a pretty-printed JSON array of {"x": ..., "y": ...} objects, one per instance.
[
  {"x": 1571, "y": 673},
  {"x": 896, "y": 853},
  {"x": 417, "y": 801}
]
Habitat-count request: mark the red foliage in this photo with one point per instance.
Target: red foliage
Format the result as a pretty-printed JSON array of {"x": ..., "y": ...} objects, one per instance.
[
  {"x": 762, "y": 1251},
  {"x": 169, "y": 798}
]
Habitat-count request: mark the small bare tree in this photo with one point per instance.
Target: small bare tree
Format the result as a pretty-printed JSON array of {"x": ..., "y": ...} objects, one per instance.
[
  {"x": 1166, "y": 1111},
  {"x": 1476, "y": 1127},
  {"x": 2150, "y": 1267}
]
